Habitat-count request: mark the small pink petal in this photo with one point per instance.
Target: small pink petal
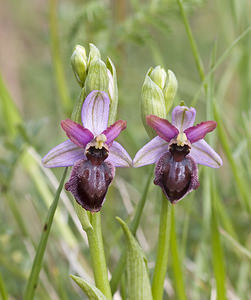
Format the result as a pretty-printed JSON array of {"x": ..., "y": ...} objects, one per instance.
[
  {"x": 199, "y": 131},
  {"x": 63, "y": 155},
  {"x": 77, "y": 133},
  {"x": 95, "y": 112},
  {"x": 183, "y": 117},
  {"x": 204, "y": 154},
  {"x": 163, "y": 127},
  {"x": 113, "y": 131}
]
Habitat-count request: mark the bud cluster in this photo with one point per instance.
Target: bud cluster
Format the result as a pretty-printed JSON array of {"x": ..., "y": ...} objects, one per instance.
[
  {"x": 158, "y": 93},
  {"x": 92, "y": 73}
]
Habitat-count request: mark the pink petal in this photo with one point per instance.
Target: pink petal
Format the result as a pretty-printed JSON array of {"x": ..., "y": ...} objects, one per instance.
[
  {"x": 113, "y": 131},
  {"x": 163, "y": 127},
  {"x": 183, "y": 117},
  {"x": 95, "y": 112},
  {"x": 118, "y": 156},
  {"x": 150, "y": 153},
  {"x": 63, "y": 155},
  {"x": 204, "y": 154},
  {"x": 199, "y": 131},
  {"x": 77, "y": 133}
]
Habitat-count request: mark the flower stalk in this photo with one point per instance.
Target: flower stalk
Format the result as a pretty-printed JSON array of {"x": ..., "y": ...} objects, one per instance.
[
  {"x": 162, "y": 252},
  {"x": 96, "y": 247}
]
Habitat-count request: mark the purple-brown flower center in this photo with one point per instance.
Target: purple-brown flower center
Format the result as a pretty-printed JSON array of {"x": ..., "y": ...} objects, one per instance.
[
  {"x": 96, "y": 156},
  {"x": 179, "y": 152}
]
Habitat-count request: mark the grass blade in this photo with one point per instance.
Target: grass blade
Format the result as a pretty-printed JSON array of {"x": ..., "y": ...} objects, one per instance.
[{"x": 217, "y": 251}]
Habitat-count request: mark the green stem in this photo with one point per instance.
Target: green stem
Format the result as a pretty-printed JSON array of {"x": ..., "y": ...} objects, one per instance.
[
  {"x": 57, "y": 62},
  {"x": 117, "y": 273},
  {"x": 176, "y": 260},
  {"x": 98, "y": 255},
  {"x": 38, "y": 260},
  {"x": 162, "y": 253}
]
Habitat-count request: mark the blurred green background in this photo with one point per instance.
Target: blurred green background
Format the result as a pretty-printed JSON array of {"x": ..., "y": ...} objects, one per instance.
[{"x": 37, "y": 40}]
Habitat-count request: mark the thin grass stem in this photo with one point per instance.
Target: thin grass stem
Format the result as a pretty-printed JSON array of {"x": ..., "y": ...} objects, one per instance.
[
  {"x": 192, "y": 41},
  {"x": 56, "y": 58},
  {"x": 38, "y": 260},
  {"x": 219, "y": 62}
]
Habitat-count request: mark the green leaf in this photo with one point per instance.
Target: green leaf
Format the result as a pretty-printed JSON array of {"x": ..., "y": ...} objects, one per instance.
[
  {"x": 89, "y": 289},
  {"x": 138, "y": 283}
]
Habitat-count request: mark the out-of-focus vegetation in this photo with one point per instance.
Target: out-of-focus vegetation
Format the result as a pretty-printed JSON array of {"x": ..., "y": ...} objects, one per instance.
[{"x": 38, "y": 89}]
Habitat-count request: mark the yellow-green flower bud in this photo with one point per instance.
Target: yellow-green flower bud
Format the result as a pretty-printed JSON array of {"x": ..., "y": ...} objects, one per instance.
[
  {"x": 97, "y": 77},
  {"x": 158, "y": 75},
  {"x": 113, "y": 91},
  {"x": 79, "y": 64},
  {"x": 170, "y": 90},
  {"x": 94, "y": 54},
  {"x": 152, "y": 102}
]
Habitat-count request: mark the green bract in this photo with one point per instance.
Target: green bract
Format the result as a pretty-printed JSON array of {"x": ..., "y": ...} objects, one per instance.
[
  {"x": 138, "y": 283},
  {"x": 79, "y": 64},
  {"x": 92, "y": 292}
]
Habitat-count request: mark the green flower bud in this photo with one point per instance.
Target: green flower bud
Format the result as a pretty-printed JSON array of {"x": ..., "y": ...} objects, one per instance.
[
  {"x": 158, "y": 75},
  {"x": 152, "y": 102},
  {"x": 170, "y": 90},
  {"x": 94, "y": 54},
  {"x": 113, "y": 90},
  {"x": 97, "y": 77},
  {"x": 79, "y": 64}
]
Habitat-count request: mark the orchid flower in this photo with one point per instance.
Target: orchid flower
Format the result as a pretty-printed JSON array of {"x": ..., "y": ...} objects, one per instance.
[
  {"x": 92, "y": 152},
  {"x": 176, "y": 151}
]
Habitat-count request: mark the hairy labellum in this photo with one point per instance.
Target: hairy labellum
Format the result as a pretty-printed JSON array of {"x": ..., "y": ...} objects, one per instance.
[
  {"x": 90, "y": 179},
  {"x": 176, "y": 173}
]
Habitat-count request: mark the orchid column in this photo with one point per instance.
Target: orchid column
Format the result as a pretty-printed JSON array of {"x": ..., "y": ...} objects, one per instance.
[{"x": 91, "y": 150}]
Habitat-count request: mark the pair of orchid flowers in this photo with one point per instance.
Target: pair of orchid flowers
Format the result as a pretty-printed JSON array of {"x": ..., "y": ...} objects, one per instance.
[{"x": 94, "y": 154}]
